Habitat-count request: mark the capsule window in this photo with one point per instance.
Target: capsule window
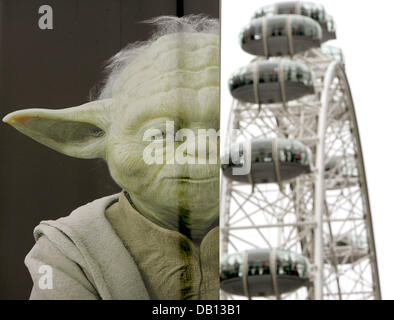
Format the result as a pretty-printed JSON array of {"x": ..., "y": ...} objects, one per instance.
[
  {"x": 256, "y": 30},
  {"x": 330, "y": 24},
  {"x": 298, "y": 29},
  {"x": 248, "y": 78},
  {"x": 265, "y": 11},
  {"x": 309, "y": 30},
  {"x": 277, "y": 27},
  {"x": 269, "y": 10}
]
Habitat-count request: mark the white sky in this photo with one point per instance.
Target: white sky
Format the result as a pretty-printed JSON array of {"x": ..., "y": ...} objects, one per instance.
[{"x": 364, "y": 33}]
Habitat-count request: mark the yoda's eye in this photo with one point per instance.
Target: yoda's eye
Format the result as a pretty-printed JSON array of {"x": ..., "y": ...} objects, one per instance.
[
  {"x": 154, "y": 135},
  {"x": 158, "y": 136}
]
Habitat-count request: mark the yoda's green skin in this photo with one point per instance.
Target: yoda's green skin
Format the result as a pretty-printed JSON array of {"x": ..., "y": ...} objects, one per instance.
[{"x": 175, "y": 79}]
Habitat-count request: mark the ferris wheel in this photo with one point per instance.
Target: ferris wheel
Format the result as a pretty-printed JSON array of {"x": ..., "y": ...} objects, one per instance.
[{"x": 298, "y": 224}]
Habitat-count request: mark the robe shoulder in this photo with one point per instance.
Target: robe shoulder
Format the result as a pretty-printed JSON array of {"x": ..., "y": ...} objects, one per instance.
[{"x": 87, "y": 258}]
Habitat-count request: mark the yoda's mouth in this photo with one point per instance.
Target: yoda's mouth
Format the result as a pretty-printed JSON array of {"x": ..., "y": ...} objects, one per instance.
[{"x": 194, "y": 180}]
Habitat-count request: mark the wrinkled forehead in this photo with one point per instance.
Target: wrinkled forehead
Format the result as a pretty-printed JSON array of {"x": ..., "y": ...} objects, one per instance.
[{"x": 189, "y": 60}]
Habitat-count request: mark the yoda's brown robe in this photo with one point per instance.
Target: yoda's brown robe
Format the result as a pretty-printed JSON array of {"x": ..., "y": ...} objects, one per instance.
[{"x": 107, "y": 250}]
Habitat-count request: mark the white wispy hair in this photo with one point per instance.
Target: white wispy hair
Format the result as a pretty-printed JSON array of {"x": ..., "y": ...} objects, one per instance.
[{"x": 164, "y": 25}]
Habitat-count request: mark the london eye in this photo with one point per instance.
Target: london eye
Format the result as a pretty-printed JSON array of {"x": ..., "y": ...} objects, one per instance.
[{"x": 298, "y": 224}]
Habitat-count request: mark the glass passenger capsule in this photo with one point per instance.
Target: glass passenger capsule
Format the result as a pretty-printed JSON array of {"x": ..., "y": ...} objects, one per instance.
[
  {"x": 256, "y": 267},
  {"x": 280, "y": 35},
  {"x": 333, "y": 52},
  {"x": 294, "y": 159},
  {"x": 340, "y": 173},
  {"x": 308, "y": 9},
  {"x": 347, "y": 249},
  {"x": 295, "y": 78}
]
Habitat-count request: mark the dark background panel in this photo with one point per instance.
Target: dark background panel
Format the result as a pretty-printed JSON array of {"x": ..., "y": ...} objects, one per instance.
[
  {"x": 135, "y": 12},
  {"x": 47, "y": 69},
  {"x": 57, "y": 69},
  {"x": 210, "y": 8}
]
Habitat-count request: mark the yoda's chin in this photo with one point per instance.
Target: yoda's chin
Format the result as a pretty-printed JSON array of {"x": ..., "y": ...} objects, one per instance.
[
  {"x": 192, "y": 194},
  {"x": 186, "y": 180},
  {"x": 169, "y": 201},
  {"x": 168, "y": 195}
]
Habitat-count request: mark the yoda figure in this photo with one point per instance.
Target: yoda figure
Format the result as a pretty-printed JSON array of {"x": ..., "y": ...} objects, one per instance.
[{"x": 158, "y": 238}]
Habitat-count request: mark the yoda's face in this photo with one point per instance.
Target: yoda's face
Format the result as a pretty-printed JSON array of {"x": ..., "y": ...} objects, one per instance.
[
  {"x": 174, "y": 87},
  {"x": 170, "y": 91}
]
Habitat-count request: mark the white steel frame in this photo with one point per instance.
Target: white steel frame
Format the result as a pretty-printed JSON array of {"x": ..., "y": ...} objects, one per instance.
[{"x": 306, "y": 215}]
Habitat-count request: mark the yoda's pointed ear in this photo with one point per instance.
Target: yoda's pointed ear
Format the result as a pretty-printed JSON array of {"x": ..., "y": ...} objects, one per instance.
[{"x": 77, "y": 132}]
